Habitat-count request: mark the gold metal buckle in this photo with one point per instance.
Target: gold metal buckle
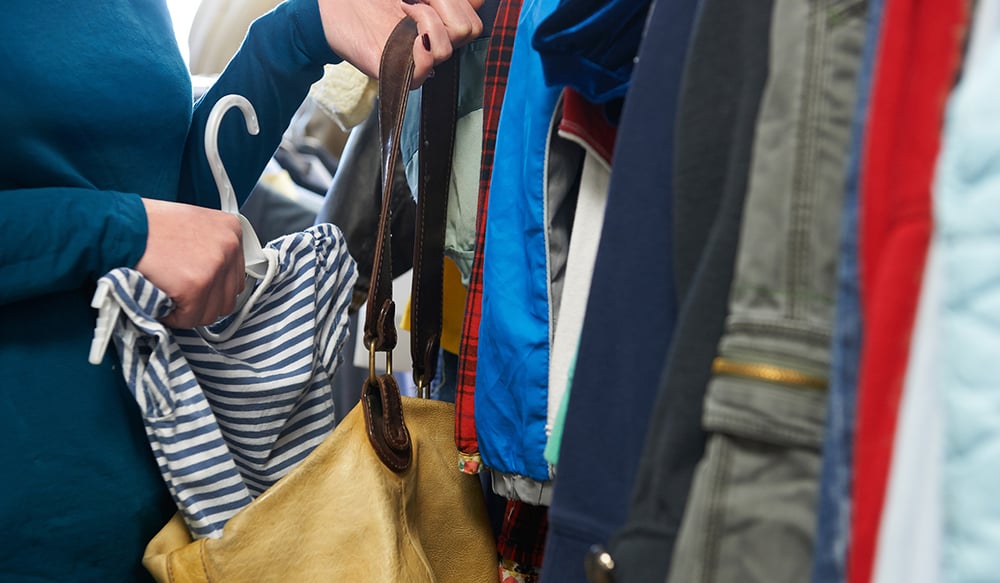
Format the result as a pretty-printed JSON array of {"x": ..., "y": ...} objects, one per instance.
[{"x": 371, "y": 361}]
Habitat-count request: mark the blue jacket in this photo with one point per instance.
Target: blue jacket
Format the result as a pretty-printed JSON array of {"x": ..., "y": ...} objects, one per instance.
[
  {"x": 591, "y": 45},
  {"x": 513, "y": 368}
]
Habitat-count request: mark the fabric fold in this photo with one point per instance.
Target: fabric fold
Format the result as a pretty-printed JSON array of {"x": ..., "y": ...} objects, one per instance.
[{"x": 230, "y": 409}]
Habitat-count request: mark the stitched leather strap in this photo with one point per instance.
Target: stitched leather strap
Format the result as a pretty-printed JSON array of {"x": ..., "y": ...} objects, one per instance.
[
  {"x": 438, "y": 114},
  {"x": 386, "y": 427},
  {"x": 387, "y": 432},
  {"x": 395, "y": 72}
]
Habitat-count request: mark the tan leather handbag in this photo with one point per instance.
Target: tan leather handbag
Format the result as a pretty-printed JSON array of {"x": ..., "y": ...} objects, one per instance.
[{"x": 381, "y": 499}]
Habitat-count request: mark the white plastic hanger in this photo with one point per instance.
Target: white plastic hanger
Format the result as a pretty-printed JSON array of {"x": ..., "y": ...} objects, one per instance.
[
  {"x": 253, "y": 254},
  {"x": 255, "y": 258}
]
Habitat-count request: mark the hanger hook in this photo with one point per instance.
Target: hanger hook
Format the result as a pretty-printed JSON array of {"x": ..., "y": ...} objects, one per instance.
[
  {"x": 222, "y": 182},
  {"x": 256, "y": 260}
]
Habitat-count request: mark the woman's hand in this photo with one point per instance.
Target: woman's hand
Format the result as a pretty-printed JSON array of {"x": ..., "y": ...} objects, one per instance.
[
  {"x": 195, "y": 255},
  {"x": 357, "y": 30}
]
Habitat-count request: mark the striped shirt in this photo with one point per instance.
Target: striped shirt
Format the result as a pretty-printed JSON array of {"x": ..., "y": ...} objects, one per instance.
[{"x": 232, "y": 407}]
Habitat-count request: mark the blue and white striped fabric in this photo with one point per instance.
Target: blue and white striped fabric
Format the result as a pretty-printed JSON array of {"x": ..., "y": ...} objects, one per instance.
[{"x": 231, "y": 408}]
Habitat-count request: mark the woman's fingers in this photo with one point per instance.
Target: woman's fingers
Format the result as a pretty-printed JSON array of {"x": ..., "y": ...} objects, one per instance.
[
  {"x": 432, "y": 45},
  {"x": 432, "y": 34},
  {"x": 459, "y": 18},
  {"x": 441, "y": 26},
  {"x": 358, "y": 31},
  {"x": 195, "y": 256},
  {"x": 235, "y": 280}
]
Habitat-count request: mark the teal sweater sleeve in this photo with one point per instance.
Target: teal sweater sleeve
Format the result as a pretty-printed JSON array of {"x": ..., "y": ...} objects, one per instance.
[
  {"x": 92, "y": 128},
  {"x": 52, "y": 239},
  {"x": 282, "y": 56}
]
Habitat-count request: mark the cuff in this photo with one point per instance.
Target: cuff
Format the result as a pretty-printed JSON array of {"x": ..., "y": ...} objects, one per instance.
[{"x": 125, "y": 241}]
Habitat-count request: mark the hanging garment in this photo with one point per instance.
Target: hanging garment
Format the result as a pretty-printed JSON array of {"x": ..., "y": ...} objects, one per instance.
[
  {"x": 531, "y": 526},
  {"x": 912, "y": 526},
  {"x": 463, "y": 192},
  {"x": 985, "y": 25},
  {"x": 909, "y": 540},
  {"x": 717, "y": 111},
  {"x": 590, "y": 46},
  {"x": 616, "y": 369},
  {"x": 583, "y": 124},
  {"x": 513, "y": 360},
  {"x": 521, "y": 543},
  {"x": 231, "y": 408},
  {"x": 453, "y": 293},
  {"x": 917, "y": 63},
  {"x": 562, "y": 174},
  {"x": 494, "y": 87},
  {"x": 833, "y": 513},
  {"x": 751, "y": 513},
  {"x": 966, "y": 211}
]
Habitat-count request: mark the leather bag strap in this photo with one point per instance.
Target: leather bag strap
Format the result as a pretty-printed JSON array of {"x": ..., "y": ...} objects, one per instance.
[
  {"x": 395, "y": 72},
  {"x": 438, "y": 114},
  {"x": 380, "y": 396}
]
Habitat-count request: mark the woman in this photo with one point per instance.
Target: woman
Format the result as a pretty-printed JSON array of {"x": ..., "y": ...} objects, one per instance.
[{"x": 100, "y": 150}]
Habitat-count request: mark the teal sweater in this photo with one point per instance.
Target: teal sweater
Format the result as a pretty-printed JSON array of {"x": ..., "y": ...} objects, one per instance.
[{"x": 96, "y": 112}]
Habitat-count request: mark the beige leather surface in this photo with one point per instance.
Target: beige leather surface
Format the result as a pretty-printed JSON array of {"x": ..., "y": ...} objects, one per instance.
[{"x": 343, "y": 516}]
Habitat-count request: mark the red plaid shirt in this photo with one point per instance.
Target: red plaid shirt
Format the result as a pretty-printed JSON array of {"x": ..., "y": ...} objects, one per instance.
[
  {"x": 495, "y": 84},
  {"x": 521, "y": 543}
]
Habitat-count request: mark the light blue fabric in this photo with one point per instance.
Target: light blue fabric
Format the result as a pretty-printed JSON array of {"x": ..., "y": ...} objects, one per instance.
[
  {"x": 463, "y": 195},
  {"x": 513, "y": 370},
  {"x": 967, "y": 211}
]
